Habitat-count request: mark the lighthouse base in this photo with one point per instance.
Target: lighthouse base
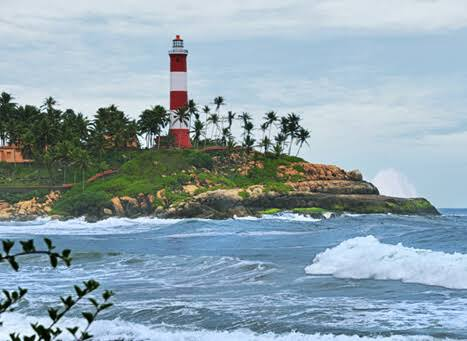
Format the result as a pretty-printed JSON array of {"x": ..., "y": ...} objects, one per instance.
[{"x": 181, "y": 138}]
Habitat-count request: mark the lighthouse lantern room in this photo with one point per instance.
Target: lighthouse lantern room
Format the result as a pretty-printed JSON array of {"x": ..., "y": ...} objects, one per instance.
[{"x": 178, "y": 92}]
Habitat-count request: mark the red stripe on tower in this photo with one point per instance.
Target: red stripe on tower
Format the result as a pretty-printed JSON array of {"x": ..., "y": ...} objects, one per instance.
[{"x": 178, "y": 92}]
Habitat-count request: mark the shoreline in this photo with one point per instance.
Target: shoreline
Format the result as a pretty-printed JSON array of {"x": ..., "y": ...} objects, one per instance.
[{"x": 230, "y": 204}]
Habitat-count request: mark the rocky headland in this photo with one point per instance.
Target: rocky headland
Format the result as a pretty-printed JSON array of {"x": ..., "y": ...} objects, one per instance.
[{"x": 221, "y": 187}]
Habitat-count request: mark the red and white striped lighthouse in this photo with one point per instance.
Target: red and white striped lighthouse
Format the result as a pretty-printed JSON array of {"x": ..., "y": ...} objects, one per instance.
[{"x": 178, "y": 92}]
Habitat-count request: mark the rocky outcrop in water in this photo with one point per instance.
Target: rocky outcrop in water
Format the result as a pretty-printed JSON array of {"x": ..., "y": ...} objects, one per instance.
[{"x": 221, "y": 204}]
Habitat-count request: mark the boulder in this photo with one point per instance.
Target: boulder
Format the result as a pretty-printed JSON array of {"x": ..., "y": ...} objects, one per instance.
[
  {"x": 190, "y": 189},
  {"x": 118, "y": 207},
  {"x": 130, "y": 206},
  {"x": 107, "y": 211},
  {"x": 355, "y": 175}
]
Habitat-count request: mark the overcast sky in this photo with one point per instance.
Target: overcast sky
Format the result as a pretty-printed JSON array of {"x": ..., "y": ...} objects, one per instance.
[{"x": 382, "y": 84}]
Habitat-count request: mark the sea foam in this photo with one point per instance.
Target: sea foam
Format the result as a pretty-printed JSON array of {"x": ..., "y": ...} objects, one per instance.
[
  {"x": 368, "y": 258},
  {"x": 107, "y": 330}
]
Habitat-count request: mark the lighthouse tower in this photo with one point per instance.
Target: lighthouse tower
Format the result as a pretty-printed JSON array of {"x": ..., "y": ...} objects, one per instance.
[{"x": 178, "y": 92}]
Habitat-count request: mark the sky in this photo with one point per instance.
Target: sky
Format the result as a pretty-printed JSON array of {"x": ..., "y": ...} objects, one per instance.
[{"x": 381, "y": 84}]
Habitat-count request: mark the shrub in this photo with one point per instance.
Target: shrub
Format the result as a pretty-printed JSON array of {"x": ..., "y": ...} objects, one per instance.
[{"x": 86, "y": 203}]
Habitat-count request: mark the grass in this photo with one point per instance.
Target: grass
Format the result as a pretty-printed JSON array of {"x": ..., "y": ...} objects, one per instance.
[
  {"x": 310, "y": 210},
  {"x": 270, "y": 211},
  {"x": 150, "y": 171}
]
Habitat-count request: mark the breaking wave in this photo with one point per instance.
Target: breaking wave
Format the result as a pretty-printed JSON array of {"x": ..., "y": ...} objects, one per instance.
[
  {"x": 393, "y": 183},
  {"x": 107, "y": 330},
  {"x": 368, "y": 258},
  {"x": 79, "y": 226}
]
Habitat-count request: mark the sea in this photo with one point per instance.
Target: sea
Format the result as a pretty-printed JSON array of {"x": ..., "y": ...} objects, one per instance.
[{"x": 283, "y": 277}]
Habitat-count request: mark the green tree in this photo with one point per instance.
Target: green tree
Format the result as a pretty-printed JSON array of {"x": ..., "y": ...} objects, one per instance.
[
  {"x": 219, "y": 101},
  {"x": 182, "y": 117},
  {"x": 230, "y": 118},
  {"x": 152, "y": 122},
  {"x": 280, "y": 139},
  {"x": 266, "y": 144},
  {"x": 303, "y": 135},
  {"x": 270, "y": 119},
  {"x": 82, "y": 160},
  {"x": 7, "y": 109},
  {"x": 214, "y": 120},
  {"x": 193, "y": 109},
  {"x": 293, "y": 127},
  {"x": 113, "y": 129},
  {"x": 207, "y": 112},
  {"x": 198, "y": 128}
]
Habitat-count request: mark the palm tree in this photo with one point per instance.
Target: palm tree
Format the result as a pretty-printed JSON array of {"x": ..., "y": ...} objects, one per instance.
[
  {"x": 82, "y": 160},
  {"x": 214, "y": 120},
  {"x": 63, "y": 153},
  {"x": 265, "y": 143},
  {"x": 263, "y": 128},
  {"x": 7, "y": 108},
  {"x": 206, "y": 111},
  {"x": 292, "y": 128},
  {"x": 303, "y": 135},
  {"x": 248, "y": 143},
  {"x": 219, "y": 101},
  {"x": 226, "y": 135},
  {"x": 198, "y": 128},
  {"x": 151, "y": 122},
  {"x": 181, "y": 115},
  {"x": 280, "y": 140},
  {"x": 270, "y": 118},
  {"x": 193, "y": 109},
  {"x": 245, "y": 117},
  {"x": 230, "y": 117},
  {"x": 248, "y": 128},
  {"x": 49, "y": 103}
]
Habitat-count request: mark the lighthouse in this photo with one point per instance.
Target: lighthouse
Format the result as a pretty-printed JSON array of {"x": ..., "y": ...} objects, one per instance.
[{"x": 180, "y": 131}]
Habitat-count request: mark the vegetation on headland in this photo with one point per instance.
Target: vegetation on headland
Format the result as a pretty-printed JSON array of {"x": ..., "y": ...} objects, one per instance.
[
  {"x": 65, "y": 143},
  {"x": 68, "y": 148},
  {"x": 170, "y": 171}
]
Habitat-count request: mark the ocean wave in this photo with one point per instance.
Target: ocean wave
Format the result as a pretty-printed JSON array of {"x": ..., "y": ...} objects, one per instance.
[
  {"x": 79, "y": 226},
  {"x": 107, "y": 330},
  {"x": 368, "y": 258},
  {"x": 113, "y": 225}
]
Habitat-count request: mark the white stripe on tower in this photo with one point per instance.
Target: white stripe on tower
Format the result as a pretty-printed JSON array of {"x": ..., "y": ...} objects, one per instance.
[{"x": 178, "y": 81}]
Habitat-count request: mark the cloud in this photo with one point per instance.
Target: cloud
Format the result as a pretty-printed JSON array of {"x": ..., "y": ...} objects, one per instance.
[{"x": 209, "y": 19}]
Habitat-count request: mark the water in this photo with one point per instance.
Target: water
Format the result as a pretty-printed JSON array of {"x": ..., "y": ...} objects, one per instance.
[{"x": 356, "y": 277}]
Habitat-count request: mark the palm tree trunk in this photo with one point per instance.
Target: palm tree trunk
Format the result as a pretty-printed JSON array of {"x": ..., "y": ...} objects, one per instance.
[
  {"x": 290, "y": 146},
  {"x": 82, "y": 178},
  {"x": 299, "y": 147}
]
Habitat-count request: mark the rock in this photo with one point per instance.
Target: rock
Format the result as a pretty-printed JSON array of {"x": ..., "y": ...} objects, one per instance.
[
  {"x": 161, "y": 195},
  {"x": 255, "y": 191},
  {"x": 190, "y": 189},
  {"x": 5, "y": 215},
  {"x": 334, "y": 187},
  {"x": 151, "y": 199},
  {"x": 130, "y": 206},
  {"x": 221, "y": 204},
  {"x": 107, "y": 211},
  {"x": 118, "y": 207},
  {"x": 355, "y": 175}
]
